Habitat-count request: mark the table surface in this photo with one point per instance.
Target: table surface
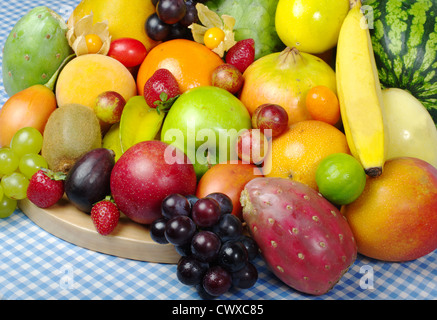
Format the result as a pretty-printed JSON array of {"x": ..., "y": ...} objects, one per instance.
[{"x": 37, "y": 265}]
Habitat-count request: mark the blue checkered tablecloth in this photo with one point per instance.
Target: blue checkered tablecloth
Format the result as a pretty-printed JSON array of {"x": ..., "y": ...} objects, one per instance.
[{"x": 36, "y": 265}]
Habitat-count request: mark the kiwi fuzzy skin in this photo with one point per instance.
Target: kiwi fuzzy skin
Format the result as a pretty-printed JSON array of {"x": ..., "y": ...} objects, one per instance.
[{"x": 71, "y": 131}]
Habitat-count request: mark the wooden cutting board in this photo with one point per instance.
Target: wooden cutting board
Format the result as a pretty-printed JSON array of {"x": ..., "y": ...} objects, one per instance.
[{"x": 129, "y": 239}]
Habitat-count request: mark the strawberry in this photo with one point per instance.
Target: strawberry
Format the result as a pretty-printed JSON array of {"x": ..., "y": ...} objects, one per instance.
[
  {"x": 46, "y": 188},
  {"x": 242, "y": 54},
  {"x": 161, "y": 90},
  {"x": 105, "y": 216}
]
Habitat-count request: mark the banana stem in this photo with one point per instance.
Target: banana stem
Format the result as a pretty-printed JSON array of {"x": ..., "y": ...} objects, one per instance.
[{"x": 354, "y": 3}]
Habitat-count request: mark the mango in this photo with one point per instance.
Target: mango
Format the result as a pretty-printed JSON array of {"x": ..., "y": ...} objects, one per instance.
[
  {"x": 395, "y": 218},
  {"x": 30, "y": 107},
  {"x": 86, "y": 76}
]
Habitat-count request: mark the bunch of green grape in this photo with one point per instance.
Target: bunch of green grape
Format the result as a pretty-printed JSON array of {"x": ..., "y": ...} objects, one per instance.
[{"x": 18, "y": 163}]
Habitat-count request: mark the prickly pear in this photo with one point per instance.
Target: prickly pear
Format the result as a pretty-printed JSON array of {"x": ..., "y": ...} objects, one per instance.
[
  {"x": 304, "y": 239},
  {"x": 35, "y": 48}
]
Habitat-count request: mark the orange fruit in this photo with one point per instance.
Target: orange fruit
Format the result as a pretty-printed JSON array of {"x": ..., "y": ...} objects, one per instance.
[
  {"x": 322, "y": 104},
  {"x": 190, "y": 62},
  {"x": 297, "y": 152}
]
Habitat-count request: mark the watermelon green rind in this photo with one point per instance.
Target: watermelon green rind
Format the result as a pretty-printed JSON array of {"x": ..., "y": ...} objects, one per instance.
[
  {"x": 404, "y": 38},
  {"x": 254, "y": 19}
]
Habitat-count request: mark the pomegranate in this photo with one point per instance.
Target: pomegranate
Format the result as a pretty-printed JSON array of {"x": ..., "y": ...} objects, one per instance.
[{"x": 284, "y": 78}]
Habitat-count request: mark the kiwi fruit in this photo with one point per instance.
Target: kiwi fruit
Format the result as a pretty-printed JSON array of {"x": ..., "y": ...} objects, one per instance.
[{"x": 70, "y": 132}]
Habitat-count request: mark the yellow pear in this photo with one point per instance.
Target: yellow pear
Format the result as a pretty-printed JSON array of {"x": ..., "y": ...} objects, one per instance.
[
  {"x": 409, "y": 126},
  {"x": 125, "y": 18}
]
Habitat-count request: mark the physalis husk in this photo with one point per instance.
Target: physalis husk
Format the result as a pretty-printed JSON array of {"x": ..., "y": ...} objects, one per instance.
[
  {"x": 77, "y": 35},
  {"x": 211, "y": 19}
]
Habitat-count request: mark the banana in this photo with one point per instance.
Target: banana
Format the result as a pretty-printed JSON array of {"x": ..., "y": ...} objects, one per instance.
[
  {"x": 139, "y": 122},
  {"x": 359, "y": 92}
]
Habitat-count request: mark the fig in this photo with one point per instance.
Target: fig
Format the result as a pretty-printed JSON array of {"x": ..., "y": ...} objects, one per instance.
[{"x": 88, "y": 181}]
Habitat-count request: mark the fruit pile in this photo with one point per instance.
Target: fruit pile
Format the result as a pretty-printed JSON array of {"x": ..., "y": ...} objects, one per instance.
[
  {"x": 215, "y": 253},
  {"x": 197, "y": 118}
]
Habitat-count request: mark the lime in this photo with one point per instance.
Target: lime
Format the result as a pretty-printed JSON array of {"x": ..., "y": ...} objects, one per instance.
[{"x": 340, "y": 178}]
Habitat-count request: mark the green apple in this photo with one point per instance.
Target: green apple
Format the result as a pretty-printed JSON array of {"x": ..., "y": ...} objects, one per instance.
[{"x": 205, "y": 122}]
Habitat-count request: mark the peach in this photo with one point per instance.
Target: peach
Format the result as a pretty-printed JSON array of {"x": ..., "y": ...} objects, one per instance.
[
  {"x": 87, "y": 76},
  {"x": 395, "y": 218}
]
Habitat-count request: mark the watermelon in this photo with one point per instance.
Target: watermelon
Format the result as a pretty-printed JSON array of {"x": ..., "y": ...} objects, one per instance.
[{"x": 404, "y": 38}]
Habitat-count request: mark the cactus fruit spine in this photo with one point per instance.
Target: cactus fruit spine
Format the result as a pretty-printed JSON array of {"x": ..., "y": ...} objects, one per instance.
[
  {"x": 304, "y": 239},
  {"x": 34, "y": 50}
]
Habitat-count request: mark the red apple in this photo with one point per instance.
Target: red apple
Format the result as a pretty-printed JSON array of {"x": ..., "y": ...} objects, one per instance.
[{"x": 145, "y": 174}]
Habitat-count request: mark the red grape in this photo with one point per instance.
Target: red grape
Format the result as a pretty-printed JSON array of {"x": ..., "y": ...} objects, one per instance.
[
  {"x": 206, "y": 212},
  {"x": 270, "y": 116},
  {"x": 190, "y": 271},
  {"x": 205, "y": 246},
  {"x": 171, "y": 11},
  {"x": 175, "y": 205},
  {"x": 246, "y": 277},
  {"x": 217, "y": 281},
  {"x": 233, "y": 256},
  {"x": 224, "y": 201},
  {"x": 179, "y": 230}
]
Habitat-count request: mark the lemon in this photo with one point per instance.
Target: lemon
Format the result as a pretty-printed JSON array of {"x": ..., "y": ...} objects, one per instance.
[
  {"x": 341, "y": 178},
  {"x": 311, "y": 26}
]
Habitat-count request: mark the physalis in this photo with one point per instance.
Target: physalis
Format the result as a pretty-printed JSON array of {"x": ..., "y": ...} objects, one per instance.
[
  {"x": 216, "y": 32},
  {"x": 85, "y": 37}
]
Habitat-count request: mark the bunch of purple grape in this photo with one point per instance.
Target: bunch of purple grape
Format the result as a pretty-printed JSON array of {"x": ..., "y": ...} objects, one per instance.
[
  {"x": 215, "y": 253},
  {"x": 171, "y": 19}
]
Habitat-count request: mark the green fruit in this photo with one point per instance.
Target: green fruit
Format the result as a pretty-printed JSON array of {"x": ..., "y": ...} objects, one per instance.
[
  {"x": 139, "y": 122},
  {"x": 204, "y": 122},
  {"x": 340, "y": 178},
  {"x": 34, "y": 50},
  {"x": 71, "y": 131},
  {"x": 111, "y": 140},
  {"x": 404, "y": 37},
  {"x": 7, "y": 207},
  {"x": 255, "y": 19}
]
